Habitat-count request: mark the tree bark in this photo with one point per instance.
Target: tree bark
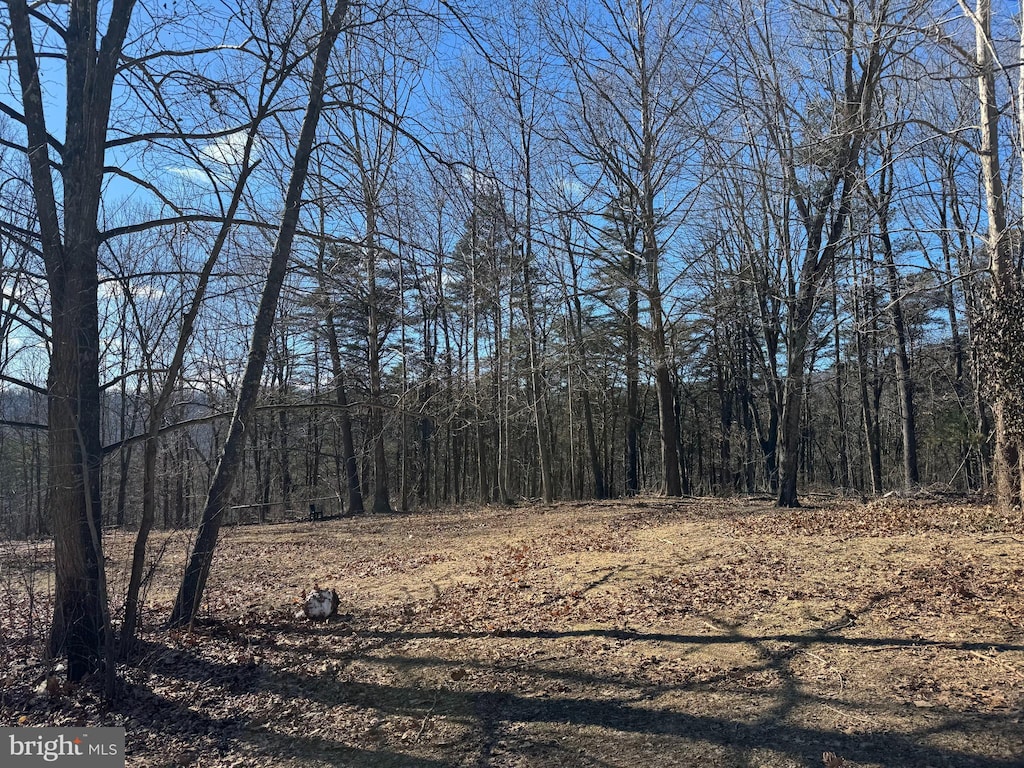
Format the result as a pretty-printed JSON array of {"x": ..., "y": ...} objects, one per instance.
[
  {"x": 348, "y": 445},
  {"x": 71, "y": 262},
  {"x": 347, "y": 463},
  {"x": 381, "y": 492},
  {"x": 632, "y": 322},
  {"x": 198, "y": 568},
  {"x": 1005, "y": 283},
  {"x": 671, "y": 483},
  {"x": 820, "y": 251},
  {"x": 163, "y": 401},
  {"x": 869, "y": 397},
  {"x": 904, "y": 380},
  {"x": 538, "y": 392},
  {"x": 574, "y": 307}
]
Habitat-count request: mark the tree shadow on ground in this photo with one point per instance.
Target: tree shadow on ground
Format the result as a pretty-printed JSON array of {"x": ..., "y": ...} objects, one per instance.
[
  {"x": 199, "y": 738},
  {"x": 490, "y": 706}
]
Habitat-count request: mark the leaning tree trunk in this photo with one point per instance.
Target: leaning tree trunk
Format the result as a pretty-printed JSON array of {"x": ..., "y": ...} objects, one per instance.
[
  {"x": 163, "y": 401},
  {"x": 196, "y": 572}
]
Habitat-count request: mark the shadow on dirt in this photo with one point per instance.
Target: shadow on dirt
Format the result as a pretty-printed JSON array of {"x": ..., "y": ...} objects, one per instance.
[{"x": 484, "y": 699}]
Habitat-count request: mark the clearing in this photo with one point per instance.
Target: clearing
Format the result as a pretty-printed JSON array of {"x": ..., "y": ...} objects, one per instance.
[{"x": 694, "y": 632}]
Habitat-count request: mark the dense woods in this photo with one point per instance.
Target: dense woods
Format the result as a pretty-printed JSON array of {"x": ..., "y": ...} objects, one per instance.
[{"x": 264, "y": 258}]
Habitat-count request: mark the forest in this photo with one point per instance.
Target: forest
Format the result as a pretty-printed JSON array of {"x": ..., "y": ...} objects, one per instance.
[{"x": 277, "y": 260}]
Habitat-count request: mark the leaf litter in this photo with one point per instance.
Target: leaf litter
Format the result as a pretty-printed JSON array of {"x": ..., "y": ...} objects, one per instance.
[{"x": 713, "y": 632}]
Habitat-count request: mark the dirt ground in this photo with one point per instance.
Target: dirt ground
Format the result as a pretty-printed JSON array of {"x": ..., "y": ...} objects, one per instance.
[{"x": 697, "y": 632}]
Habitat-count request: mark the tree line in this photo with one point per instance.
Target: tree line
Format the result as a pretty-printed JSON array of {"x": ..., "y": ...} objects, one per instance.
[{"x": 381, "y": 256}]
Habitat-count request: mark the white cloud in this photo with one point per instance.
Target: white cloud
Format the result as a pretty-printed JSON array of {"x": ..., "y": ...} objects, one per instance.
[
  {"x": 227, "y": 150},
  {"x": 192, "y": 174},
  {"x": 221, "y": 156},
  {"x": 144, "y": 292}
]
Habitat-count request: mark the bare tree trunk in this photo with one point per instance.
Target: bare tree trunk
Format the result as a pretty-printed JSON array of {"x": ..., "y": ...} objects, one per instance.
[
  {"x": 284, "y": 458},
  {"x": 671, "y": 483},
  {"x": 381, "y": 493},
  {"x": 969, "y": 351},
  {"x": 425, "y": 422},
  {"x": 632, "y": 322},
  {"x": 196, "y": 572},
  {"x": 499, "y": 423},
  {"x": 843, "y": 475},
  {"x": 479, "y": 411},
  {"x": 830, "y": 207},
  {"x": 163, "y": 401},
  {"x": 574, "y": 308},
  {"x": 538, "y": 392},
  {"x": 71, "y": 260},
  {"x": 1005, "y": 283},
  {"x": 904, "y": 381},
  {"x": 726, "y": 404},
  {"x": 404, "y": 465},
  {"x": 348, "y": 445},
  {"x": 870, "y": 388}
]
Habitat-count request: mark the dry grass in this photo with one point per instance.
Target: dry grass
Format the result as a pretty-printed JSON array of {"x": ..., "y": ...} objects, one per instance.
[{"x": 697, "y": 632}]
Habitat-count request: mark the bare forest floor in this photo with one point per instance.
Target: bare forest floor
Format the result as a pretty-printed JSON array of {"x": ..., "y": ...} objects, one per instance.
[{"x": 697, "y": 632}]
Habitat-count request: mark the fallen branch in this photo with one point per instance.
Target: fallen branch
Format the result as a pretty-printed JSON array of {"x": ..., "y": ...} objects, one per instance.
[{"x": 426, "y": 717}]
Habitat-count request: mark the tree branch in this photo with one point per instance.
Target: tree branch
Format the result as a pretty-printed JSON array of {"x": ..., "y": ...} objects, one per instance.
[{"x": 24, "y": 384}]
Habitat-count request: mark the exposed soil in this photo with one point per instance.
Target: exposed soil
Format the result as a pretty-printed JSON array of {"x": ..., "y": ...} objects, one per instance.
[{"x": 697, "y": 632}]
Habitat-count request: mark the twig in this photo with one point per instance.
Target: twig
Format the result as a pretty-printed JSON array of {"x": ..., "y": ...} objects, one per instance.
[
  {"x": 711, "y": 625},
  {"x": 829, "y": 666},
  {"x": 849, "y": 619},
  {"x": 426, "y": 717},
  {"x": 1001, "y": 537},
  {"x": 895, "y": 647},
  {"x": 849, "y": 714},
  {"x": 999, "y": 662}
]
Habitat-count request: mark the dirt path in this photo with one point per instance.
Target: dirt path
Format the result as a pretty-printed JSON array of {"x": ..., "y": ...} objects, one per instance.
[{"x": 691, "y": 633}]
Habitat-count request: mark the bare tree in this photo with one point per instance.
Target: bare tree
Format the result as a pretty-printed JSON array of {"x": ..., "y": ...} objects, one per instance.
[
  {"x": 196, "y": 572},
  {"x": 1004, "y": 330},
  {"x": 636, "y": 86},
  {"x": 880, "y": 202},
  {"x": 69, "y": 240},
  {"x": 819, "y": 151},
  {"x": 518, "y": 69}
]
